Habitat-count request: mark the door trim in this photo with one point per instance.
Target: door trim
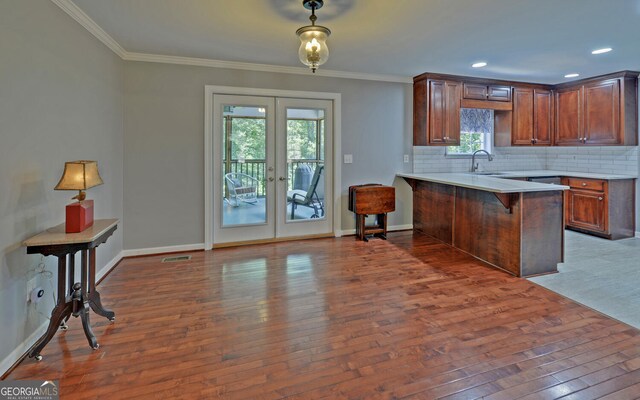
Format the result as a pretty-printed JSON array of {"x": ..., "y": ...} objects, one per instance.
[{"x": 210, "y": 90}]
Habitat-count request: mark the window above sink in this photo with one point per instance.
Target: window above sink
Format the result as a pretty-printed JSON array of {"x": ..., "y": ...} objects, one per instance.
[{"x": 476, "y": 133}]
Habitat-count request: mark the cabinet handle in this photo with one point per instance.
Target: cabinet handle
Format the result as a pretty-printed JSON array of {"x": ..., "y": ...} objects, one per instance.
[
  {"x": 271, "y": 179},
  {"x": 282, "y": 178},
  {"x": 600, "y": 198},
  {"x": 584, "y": 184}
]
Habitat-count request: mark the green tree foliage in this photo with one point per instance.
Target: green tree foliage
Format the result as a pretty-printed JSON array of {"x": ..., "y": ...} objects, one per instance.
[
  {"x": 248, "y": 137},
  {"x": 469, "y": 142}
]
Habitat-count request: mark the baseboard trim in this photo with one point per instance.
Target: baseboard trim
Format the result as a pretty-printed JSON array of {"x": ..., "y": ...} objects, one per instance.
[
  {"x": 160, "y": 250},
  {"x": 19, "y": 353},
  {"x": 391, "y": 228},
  {"x": 104, "y": 271}
]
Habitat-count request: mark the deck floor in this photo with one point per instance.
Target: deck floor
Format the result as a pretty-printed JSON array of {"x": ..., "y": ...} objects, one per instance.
[{"x": 339, "y": 319}]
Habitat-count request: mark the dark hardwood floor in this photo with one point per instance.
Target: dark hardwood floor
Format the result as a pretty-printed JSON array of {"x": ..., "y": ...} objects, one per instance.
[{"x": 339, "y": 319}]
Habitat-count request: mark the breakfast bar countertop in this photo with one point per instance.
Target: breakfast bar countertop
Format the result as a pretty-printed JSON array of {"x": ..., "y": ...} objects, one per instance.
[{"x": 485, "y": 183}]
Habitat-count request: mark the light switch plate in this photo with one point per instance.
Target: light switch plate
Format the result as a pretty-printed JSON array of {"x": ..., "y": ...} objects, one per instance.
[
  {"x": 406, "y": 158},
  {"x": 348, "y": 158}
]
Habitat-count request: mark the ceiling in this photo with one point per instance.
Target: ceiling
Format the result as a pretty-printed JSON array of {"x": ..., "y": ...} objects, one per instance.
[{"x": 527, "y": 40}]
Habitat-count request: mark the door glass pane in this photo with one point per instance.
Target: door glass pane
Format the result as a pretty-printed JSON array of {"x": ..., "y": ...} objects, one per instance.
[
  {"x": 305, "y": 164},
  {"x": 243, "y": 159}
]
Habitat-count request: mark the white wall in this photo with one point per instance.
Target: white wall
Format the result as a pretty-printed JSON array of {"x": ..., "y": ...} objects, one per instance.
[
  {"x": 60, "y": 100},
  {"x": 164, "y": 138}
]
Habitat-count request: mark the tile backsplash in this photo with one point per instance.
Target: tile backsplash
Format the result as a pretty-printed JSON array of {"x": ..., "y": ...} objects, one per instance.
[{"x": 604, "y": 159}]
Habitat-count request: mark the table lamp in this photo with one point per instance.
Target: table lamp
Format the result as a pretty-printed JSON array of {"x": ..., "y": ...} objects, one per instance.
[{"x": 79, "y": 175}]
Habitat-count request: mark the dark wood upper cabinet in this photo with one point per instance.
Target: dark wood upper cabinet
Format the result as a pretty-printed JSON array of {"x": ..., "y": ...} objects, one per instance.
[
  {"x": 523, "y": 110},
  {"x": 543, "y": 116},
  {"x": 499, "y": 93},
  {"x": 436, "y": 112},
  {"x": 596, "y": 111},
  {"x": 569, "y": 116},
  {"x": 474, "y": 91},
  {"x": 602, "y": 112},
  {"x": 532, "y": 117}
]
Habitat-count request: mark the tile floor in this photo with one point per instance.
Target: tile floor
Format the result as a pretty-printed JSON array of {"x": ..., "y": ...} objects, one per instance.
[{"x": 601, "y": 274}]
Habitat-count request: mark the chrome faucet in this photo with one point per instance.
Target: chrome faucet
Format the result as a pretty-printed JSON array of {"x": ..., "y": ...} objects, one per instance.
[{"x": 474, "y": 165}]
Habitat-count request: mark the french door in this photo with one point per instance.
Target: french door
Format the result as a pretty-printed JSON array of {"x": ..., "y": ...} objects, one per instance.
[{"x": 272, "y": 168}]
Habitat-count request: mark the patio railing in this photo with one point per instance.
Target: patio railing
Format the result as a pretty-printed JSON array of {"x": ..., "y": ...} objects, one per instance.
[{"x": 257, "y": 169}]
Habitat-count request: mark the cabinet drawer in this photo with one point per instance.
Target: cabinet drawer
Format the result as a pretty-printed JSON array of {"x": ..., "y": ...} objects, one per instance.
[{"x": 587, "y": 184}]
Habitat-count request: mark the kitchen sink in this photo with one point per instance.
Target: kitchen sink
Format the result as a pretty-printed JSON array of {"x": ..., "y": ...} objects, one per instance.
[{"x": 486, "y": 173}]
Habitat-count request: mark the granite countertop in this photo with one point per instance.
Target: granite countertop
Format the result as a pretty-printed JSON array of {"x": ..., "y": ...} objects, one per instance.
[{"x": 486, "y": 183}]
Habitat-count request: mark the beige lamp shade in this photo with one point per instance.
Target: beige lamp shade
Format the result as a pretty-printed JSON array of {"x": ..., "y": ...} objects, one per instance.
[{"x": 79, "y": 175}]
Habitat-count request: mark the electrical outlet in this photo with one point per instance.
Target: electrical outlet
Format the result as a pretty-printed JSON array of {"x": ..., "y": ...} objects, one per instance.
[
  {"x": 31, "y": 284},
  {"x": 406, "y": 158},
  {"x": 348, "y": 158}
]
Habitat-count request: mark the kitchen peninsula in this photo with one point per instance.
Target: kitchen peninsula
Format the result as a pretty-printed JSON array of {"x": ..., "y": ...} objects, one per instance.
[{"x": 517, "y": 226}]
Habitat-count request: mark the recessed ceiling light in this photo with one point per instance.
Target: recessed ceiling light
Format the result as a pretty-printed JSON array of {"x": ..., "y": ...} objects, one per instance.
[
  {"x": 601, "y": 51},
  {"x": 479, "y": 65},
  {"x": 572, "y": 75}
]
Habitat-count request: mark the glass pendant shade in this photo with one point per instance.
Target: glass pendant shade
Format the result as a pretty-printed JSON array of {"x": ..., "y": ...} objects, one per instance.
[{"x": 313, "y": 50}]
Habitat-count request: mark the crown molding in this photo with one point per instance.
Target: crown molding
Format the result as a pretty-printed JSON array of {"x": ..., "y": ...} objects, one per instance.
[
  {"x": 204, "y": 62},
  {"x": 83, "y": 19},
  {"x": 89, "y": 24}
]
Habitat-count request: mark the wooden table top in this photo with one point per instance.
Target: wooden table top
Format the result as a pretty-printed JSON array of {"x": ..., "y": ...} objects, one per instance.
[{"x": 57, "y": 234}]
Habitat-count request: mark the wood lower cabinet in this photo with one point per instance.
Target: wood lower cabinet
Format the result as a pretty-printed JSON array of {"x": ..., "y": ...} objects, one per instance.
[
  {"x": 586, "y": 210},
  {"x": 436, "y": 112},
  {"x": 532, "y": 117},
  {"x": 600, "y": 207}
]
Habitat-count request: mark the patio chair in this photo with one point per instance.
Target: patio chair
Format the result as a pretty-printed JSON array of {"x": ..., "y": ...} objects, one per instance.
[
  {"x": 308, "y": 198},
  {"x": 242, "y": 187}
]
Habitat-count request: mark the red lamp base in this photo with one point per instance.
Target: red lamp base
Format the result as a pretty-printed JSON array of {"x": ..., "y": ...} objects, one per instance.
[{"x": 79, "y": 216}]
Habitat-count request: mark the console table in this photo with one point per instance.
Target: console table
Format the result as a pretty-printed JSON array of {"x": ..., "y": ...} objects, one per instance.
[{"x": 74, "y": 298}]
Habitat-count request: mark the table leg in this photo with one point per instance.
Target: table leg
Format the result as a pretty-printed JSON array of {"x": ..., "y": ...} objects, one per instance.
[
  {"x": 81, "y": 308},
  {"x": 71, "y": 273},
  {"x": 60, "y": 311},
  {"x": 94, "y": 295}
]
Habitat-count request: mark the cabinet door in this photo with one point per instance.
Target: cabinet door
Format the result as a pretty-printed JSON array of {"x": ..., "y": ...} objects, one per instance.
[
  {"x": 453, "y": 95},
  {"x": 568, "y": 116},
  {"x": 602, "y": 112},
  {"x": 437, "y": 112},
  {"x": 542, "y": 117},
  {"x": 523, "y": 112},
  {"x": 476, "y": 92},
  {"x": 444, "y": 112},
  {"x": 586, "y": 210},
  {"x": 499, "y": 93},
  {"x": 420, "y": 134}
]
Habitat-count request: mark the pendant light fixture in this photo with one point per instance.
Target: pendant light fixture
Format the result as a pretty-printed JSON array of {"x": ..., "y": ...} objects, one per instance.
[{"x": 313, "y": 50}]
